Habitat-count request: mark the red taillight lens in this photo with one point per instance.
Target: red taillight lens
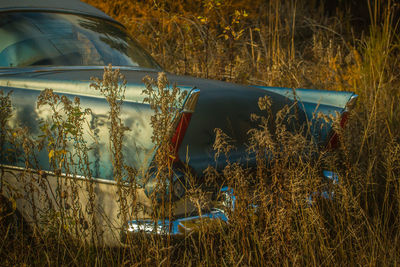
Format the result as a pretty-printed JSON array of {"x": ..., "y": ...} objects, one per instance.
[
  {"x": 184, "y": 120},
  {"x": 344, "y": 118},
  {"x": 180, "y": 131},
  {"x": 334, "y": 140}
]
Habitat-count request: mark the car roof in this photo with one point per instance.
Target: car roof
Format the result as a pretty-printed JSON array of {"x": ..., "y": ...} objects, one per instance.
[{"x": 69, "y": 6}]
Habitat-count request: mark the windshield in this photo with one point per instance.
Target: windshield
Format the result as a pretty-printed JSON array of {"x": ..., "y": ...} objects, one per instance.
[{"x": 55, "y": 39}]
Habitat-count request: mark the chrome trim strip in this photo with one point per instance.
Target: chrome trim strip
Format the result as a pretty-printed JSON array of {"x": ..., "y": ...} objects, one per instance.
[
  {"x": 351, "y": 103},
  {"x": 81, "y": 88},
  {"x": 191, "y": 101}
]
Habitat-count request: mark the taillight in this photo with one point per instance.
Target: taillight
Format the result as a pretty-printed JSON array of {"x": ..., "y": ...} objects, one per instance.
[
  {"x": 180, "y": 131},
  {"x": 334, "y": 139},
  {"x": 184, "y": 120}
]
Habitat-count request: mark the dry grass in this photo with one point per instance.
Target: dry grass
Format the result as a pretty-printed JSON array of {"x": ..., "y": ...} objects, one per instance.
[{"x": 280, "y": 44}]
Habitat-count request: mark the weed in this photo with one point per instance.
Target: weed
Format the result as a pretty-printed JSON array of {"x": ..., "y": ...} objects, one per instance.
[{"x": 276, "y": 43}]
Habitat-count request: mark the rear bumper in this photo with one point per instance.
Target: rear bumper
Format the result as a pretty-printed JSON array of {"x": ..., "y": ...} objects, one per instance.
[
  {"x": 184, "y": 225},
  {"x": 174, "y": 227}
]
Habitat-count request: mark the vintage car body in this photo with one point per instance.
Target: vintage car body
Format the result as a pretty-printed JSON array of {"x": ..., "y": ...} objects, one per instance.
[{"x": 213, "y": 104}]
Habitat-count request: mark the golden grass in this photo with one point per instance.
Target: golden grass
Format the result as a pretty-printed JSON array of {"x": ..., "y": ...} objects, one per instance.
[{"x": 278, "y": 44}]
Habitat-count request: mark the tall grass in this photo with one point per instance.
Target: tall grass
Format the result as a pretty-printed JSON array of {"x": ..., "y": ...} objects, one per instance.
[{"x": 279, "y": 44}]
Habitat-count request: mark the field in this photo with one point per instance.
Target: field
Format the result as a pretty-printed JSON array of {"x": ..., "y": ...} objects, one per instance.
[{"x": 296, "y": 44}]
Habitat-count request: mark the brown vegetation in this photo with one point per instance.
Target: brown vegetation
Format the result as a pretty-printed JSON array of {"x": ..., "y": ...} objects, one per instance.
[{"x": 276, "y": 43}]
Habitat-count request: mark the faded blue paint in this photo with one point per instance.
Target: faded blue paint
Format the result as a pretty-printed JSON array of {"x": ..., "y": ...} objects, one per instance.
[
  {"x": 334, "y": 177},
  {"x": 337, "y": 99},
  {"x": 138, "y": 149},
  {"x": 313, "y": 102}
]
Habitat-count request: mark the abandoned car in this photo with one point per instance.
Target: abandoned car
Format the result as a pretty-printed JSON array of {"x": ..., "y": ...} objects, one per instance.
[{"x": 61, "y": 44}]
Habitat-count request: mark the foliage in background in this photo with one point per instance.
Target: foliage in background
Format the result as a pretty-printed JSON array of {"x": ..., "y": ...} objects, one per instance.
[{"x": 287, "y": 43}]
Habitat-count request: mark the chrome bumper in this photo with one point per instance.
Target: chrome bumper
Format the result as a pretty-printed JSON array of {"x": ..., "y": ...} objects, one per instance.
[
  {"x": 174, "y": 227},
  {"x": 187, "y": 224}
]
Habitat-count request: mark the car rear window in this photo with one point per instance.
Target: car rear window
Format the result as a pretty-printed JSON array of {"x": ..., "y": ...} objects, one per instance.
[{"x": 56, "y": 39}]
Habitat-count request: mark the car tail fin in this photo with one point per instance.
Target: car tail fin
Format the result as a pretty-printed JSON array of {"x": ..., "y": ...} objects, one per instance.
[
  {"x": 181, "y": 121},
  {"x": 313, "y": 102}
]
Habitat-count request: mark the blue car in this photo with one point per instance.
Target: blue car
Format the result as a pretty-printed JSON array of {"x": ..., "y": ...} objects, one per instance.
[{"x": 62, "y": 44}]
